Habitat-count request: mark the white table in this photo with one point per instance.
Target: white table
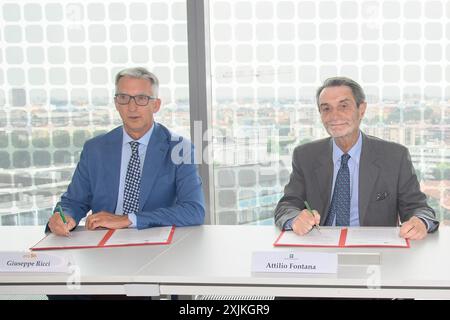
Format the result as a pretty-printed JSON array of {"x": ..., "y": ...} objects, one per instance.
[
  {"x": 97, "y": 270},
  {"x": 217, "y": 260}
]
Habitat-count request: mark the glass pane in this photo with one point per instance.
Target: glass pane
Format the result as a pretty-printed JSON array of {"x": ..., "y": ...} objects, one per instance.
[
  {"x": 58, "y": 83},
  {"x": 268, "y": 58}
]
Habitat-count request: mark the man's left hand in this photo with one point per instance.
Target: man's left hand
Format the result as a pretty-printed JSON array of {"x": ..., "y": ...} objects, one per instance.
[
  {"x": 413, "y": 229},
  {"x": 108, "y": 220}
]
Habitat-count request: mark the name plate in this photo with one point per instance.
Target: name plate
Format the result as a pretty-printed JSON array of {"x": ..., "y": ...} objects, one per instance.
[
  {"x": 297, "y": 262},
  {"x": 32, "y": 262}
]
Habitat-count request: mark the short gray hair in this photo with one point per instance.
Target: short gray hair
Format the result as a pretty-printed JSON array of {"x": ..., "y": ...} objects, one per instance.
[
  {"x": 139, "y": 73},
  {"x": 357, "y": 91}
]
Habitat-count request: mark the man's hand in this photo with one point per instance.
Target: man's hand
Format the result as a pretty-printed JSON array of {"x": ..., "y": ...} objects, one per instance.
[
  {"x": 413, "y": 229},
  {"x": 58, "y": 227},
  {"x": 305, "y": 221},
  {"x": 107, "y": 220}
]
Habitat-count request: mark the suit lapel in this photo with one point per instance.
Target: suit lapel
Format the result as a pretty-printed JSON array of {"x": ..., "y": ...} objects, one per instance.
[
  {"x": 324, "y": 175},
  {"x": 113, "y": 153},
  {"x": 154, "y": 158},
  {"x": 368, "y": 175}
]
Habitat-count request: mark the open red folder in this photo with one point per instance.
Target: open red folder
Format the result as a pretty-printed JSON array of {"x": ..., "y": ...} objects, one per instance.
[
  {"x": 344, "y": 238},
  {"x": 104, "y": 238}
]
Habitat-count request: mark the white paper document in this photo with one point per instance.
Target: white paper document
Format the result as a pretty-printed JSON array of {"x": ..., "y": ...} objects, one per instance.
[
  {"x": 345, "y": 237},
  {"x": 82, "y": 238},
  {"x": 374, "y": 237},
  {"x": 328, "y": 237},
  {"x": 77, "y": 239},
  {"x": 150, "y": 235}
]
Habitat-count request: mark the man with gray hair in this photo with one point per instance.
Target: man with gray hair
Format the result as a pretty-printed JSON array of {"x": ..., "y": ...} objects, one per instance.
[
  {"x": 352, "y": 179},
  {"x": 128, "y": 177}
]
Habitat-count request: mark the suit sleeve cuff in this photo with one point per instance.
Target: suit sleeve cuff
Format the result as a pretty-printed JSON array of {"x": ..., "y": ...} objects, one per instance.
[
  {"x": 430, "y": 224},
  {"x": 288, "y": 224}
]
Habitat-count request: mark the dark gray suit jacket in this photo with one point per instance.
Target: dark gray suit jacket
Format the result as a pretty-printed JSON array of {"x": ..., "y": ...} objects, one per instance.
[{"x": 388, "y": 187}]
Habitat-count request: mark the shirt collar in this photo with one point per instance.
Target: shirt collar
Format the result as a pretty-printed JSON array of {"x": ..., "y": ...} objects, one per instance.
[
  {"x": 143, "y": 140},
  {"x": 354, "y": 152}
]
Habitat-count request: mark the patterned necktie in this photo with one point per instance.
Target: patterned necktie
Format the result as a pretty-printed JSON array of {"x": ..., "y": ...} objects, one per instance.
[
  {"x": 132, "y": 181},
  {"x": 340, "y": 203}
]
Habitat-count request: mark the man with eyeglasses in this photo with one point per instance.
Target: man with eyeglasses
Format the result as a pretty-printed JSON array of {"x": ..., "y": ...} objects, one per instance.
[{"x": 132, "y": 176}]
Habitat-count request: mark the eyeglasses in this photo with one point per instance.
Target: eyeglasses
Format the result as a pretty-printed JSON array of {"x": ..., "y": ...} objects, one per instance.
[{"x": 140, "y": 100}]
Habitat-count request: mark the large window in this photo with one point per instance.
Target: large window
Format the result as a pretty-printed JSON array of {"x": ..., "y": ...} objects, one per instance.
[
  {"x": 268, "y": 57},
  {"x": 57, "y": 66},
  {"x": 58, "y": 61}
]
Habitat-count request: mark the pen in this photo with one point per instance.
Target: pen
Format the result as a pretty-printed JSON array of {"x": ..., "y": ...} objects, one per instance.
[
  {"x": 310, "y": 211},
  {"x": 63, "y": 218},
  {"x": 61, "y": 213}
]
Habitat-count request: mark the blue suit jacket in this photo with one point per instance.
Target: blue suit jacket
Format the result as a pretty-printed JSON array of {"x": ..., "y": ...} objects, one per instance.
[{"x": 170, "y": 192}]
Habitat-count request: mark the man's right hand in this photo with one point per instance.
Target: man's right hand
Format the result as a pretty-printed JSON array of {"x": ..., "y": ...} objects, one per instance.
[
  {"x": 58, "y": 227},
  {"x": 305, "y": 221}
]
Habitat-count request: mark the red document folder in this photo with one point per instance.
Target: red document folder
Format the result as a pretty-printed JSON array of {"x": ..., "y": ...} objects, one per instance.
[
  {"x": 356, "y": 237},
  {"x": 81, "y": 239}
]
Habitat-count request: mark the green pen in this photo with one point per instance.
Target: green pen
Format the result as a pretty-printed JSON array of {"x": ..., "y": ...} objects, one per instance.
[
  {"x": 61, "y": 213},
  {"x": 63, "y": 218},
  {"x": 310, "y": 211}
]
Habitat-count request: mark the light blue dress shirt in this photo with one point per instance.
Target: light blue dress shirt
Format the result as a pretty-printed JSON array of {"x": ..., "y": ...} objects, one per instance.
[
  {"x": 126, "y": 155},
  {"x": 353, "y": 166}
]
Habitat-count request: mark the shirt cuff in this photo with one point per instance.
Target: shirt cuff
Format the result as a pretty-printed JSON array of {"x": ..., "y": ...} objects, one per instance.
[
  {"x": 288, "y": 224},
  {"x": 431, "y": 224},
  {"x": 132, "y": 218}
]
